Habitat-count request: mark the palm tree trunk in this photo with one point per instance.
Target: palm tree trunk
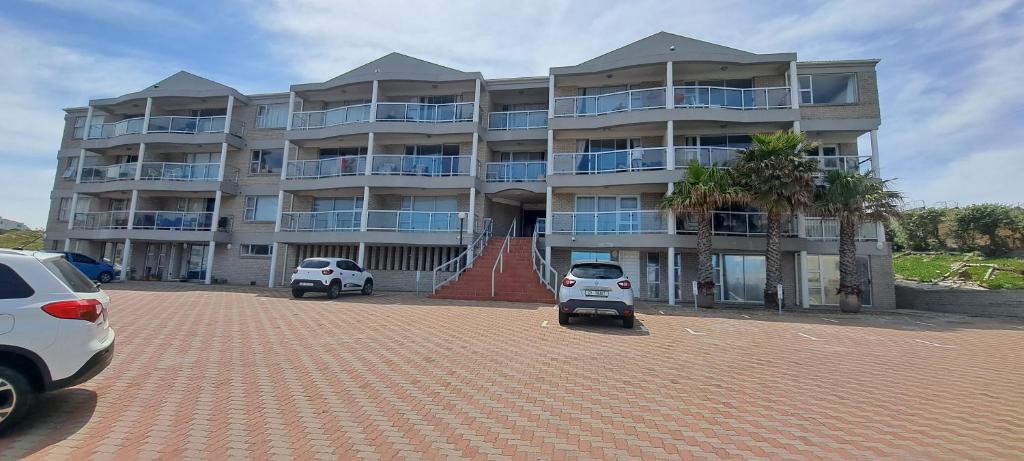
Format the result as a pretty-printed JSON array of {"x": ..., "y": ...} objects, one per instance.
[
  {"x": 773, "y": 260},
  {"x": 849, "y": 284},
  {"x": 705, "y": 270}
]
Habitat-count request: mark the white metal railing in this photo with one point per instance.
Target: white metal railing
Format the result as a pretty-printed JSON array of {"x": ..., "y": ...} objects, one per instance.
[
  {"x": 114, "y": 129},
  {"x": 506, "y": 247},
  {"x": 173, "y": 171},
  {"x": 422, "y": 165},
  {"x": 724, "y": 157},
  {"x": 101, "y": 220},
  {"x": 417, "y": 112},
  {"x": 616, "y": 161},
  {"x": 739, "y": 223},
  {"x": 413, "y": 221},
  {"x": 548, "y": 275},
  {"x": 849, "y": 163},
  {"x": 331, "y": 117},
  {"x": 609, "y": 222},
  {"x": 620, "y": 101},
  {"x": 107, "y": 173},
  {"x": 457, "y": 265},
  {"x": 517, "y": 120},
  {"x": 188, "y": 125},
  {"x": 326, "y": 167},
  {"x": 322, "y": 221},
  {"x": 732, "y": 98},
  {"x": 516, "y": 171},
  {"x": 173, "y": 220},
  {"x": 828, "y": 229}
]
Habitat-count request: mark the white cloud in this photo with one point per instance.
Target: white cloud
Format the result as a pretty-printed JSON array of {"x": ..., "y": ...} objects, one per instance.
[
  {"x": 986, "y": 176},
  {"x": 131, "y": 14}
]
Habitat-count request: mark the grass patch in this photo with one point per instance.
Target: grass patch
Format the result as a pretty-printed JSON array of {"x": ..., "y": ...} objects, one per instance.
[
  {"x": 30, "y": 239},
  {"x": 929, "y": 268}
]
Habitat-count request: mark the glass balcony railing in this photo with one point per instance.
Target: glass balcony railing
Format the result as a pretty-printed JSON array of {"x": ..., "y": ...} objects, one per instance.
[
  {"x": 516, "y": 171},
  {"x": 108, "y": 173},
  {"x": 169, "y": 171},
  {"x": 331, "y": 117},
  {"x": 739, "y": 223},
  {"x": 415, "y": 221},
  {"x": 173, "y": 220},
  {"x": 622, "y": 101},
  {"x": 828, "y": 229},
  {"x": 724, "y": 157},
  {"x": 322, "y": 221},
  {"x": 415, "y": 112},
  {"x": 188, "y": 125},
  {"x": 847, "y": 163},
  {"x": 609, "y": 222},
  {"x": 616, "y": 161},
  {"x": 101, "y": 220},
  {"x": 517, "y": 120},
  {"x": 326, "y": 167},
  {"x": 422, "y": 165},
  {"x": 732, "y": 98},
  {"x": 114, "y": 129}
]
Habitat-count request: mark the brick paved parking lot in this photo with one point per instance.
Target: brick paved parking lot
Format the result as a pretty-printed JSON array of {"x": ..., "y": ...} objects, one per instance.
[{"x": 229, "y": 372}]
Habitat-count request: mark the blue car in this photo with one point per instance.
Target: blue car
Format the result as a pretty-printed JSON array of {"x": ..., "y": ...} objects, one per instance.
[{"x": 96, "y": 270}]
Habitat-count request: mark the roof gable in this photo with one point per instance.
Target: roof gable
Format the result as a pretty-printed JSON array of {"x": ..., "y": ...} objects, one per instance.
[
  {"x": 394, "y": 66},
  {"x": 181, "y": 83}
]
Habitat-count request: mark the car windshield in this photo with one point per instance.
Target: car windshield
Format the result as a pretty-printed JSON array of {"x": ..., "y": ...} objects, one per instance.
[
  {"x": 71, "y": 276},
  {"x": 596, "y": 271},
  {"x": 315, "y": 264}
]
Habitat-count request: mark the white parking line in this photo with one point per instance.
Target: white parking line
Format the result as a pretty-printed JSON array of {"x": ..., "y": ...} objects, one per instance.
[
  {"x": 932, "y": 344},
  {"x": 830, "y": 320},
  {"x": 694, "y": 332},
  {"x": 923, "y": 323},
  {"x": 812, "y": 338},
  {"x": 544, "y": 324},
  {"x": 745, "y": 316}
]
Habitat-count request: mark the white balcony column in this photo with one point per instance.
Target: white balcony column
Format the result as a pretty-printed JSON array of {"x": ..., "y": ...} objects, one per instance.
[
  {"x": 669, "y": 92},
  {"x": 474, "y": 155},
  {"x": 547, "y": 213},
  {"x": 81, "y": 164},
  {"x": 471, "y": 217},
  {"x": 67, "y": 244},
  {"x": 216, "y": 210},
  {"x": 284, "y": 160},
  {"x": 794, "y": 86},
  {"x": 73, "y": 210},
  {"x": 876, "y": 167},
  {"x": 364, "y": 216},
  {"x": 145, "y": 118},
  {"x": 227, "y": 114},
  {"x": 805, "y": 289},
  {"x": 476, "y": 103},
  {"x": 369, "y": 153},
  {"x": 551, "y": 100},
  {"x": 670, "y": 141},
  {"x": 138, "y": 164},
  {"x": 672, "y": 274},
  {"x": 224, "y": 161},
  {"x": 131, "y": 208},
  {"x": 880, "y": 228},
  {"x": 374, "y": 99},
  {"x": 211, "y": 249},
  {"x": 280, "y": 211},
  {"x": 291, "y": 110},
  {"x": 671, "y": 224},
  {"x": 126, "y": 258},
  {"x": 273, "y": 265},
  {"x": 550, "y": 154},
  {"x": 361, "y": 257},
  {"x": 547, "y": 255},
  {"x": 801, "y": 225},
  {"x": 796, "y": 126},
  {"x": 88, "y": 124}
]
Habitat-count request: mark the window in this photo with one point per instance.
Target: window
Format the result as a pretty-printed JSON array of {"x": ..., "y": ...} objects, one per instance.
[
  {"x": 828, "y": 89},
  {"x": 70, "y": 170},
  {"x": 607, "y": 214},
  {"x": 261, "y": 208},
  {"x": 433, "y": 149},
  {"x": 314, "y": 264},
  {"x": 80, "y": 258},
  {"x": 596, "y": 271},
  {"x": 653, "y": 275},
  {"x": 335, "y": 152},
  {"x": 823, "y": 279},
  {"x": 347, "y": 265},
  {"x": 266, "y": 161},
  {"x": 78, "y": 130},
  {"x": 63, "y": 208},
  {"x": 252, "y": 249},
  {"x": 272, "y": 115},
  {"x": 739, "y": 278},
  {"x": 12, "y": 286},
  {"x": 73, "y": 278},
  {"x": 583, "y": 255}
]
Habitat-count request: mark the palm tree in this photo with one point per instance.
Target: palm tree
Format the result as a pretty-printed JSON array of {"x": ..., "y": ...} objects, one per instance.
[
  {"x": 853, "y": 199},
  {"x": 780, "y": 181},
  {"x": 700, "y": 192}
]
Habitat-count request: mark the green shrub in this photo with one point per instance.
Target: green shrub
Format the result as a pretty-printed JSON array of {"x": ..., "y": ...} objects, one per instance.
[{"x": 987, "y": 228}]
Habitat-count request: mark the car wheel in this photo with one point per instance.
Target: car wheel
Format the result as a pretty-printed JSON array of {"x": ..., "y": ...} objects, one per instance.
[
  {"x": 627, "y": 322},
  {"x": 105, "y": 277},
  {"x": 563, "y": 318},
  {"x": 15, "y": 397},
  {"x": 297, "y": 293},
  {"x": 368, "y": 287},
  {"x": 334, "y": 290}
]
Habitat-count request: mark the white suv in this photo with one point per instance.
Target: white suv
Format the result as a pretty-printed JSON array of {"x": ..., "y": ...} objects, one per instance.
[
  {"x": 596, "y": 288},
  {"x": 331, "y": 276},
  {"x": 53, "y": 329}
]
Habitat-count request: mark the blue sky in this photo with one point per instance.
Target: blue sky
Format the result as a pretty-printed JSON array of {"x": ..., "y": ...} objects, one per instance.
[{"x": 949, "y": 79}]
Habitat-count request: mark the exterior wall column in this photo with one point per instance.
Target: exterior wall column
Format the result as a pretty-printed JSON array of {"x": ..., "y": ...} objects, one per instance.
[
  {"x": 284, "y": 161},
  {"x": 364, "y": 216},
  {"x": 876, "y": 167},
  {"x": 149, "y": 113},
  {"x": 126, "y": 259},
  {"x": 224, "y": 161},
  {"x": 550, "y": 167},
  {"x": 362, "y": 255},
  {"x": 81, "y": 161},
  {"x": 88, "y": 124},
  {"x": 801, "y": 225},
  {"x": 474, "y": 155},
  {"x": 291, "y": 110},
  {"x": 671, "y": 214},
  {"x": 209, "y": 262},
  {"x": 547, "y": 213},
  {"x": 471, "y": 217},
  {"x": 805, "y": 290},
  {"x": 273, "y": 264},
  {"x": 67, "y": 244},
  {"x": 142, "y": 158},
  {"x": 374, "y": 99},
  {"x": 215, "y": 219},
  {"x": 73, "y": 210},
  {"x": 280, "y": 211},
  {"x": 671, "y": 274},
  {"x": 476, "y": 103},
  {"x": 670, "y": 142},
  {"x": 669, "y": 91},
  {"x": 227, "y": 114},
  {"x": 369, "y": 153},
  {"x": 794, "y": 86},
  {"x": 551, "y": 99},
  {"x": 131, "y": 208}
]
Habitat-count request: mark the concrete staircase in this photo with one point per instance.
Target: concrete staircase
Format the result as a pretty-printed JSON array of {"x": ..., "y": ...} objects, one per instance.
[{"x": 518, "y": 282}]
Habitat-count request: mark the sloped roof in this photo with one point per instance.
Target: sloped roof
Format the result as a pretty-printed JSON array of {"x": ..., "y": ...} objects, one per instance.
[
  {"x": 182, "y": 84},
  {"x": 664, "y": 47},
  {"x": 394, "y": 66}
]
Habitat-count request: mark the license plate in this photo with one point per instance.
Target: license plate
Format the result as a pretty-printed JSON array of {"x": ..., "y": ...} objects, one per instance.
[
  {"x": 598, "y": 293},
  {"x": 306, "y": 284}
]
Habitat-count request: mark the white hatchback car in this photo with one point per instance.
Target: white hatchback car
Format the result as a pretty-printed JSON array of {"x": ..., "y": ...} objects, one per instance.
[
  {"x": 331, "y": 276},
  {"x": 54, "y": 331},
  {"x": 596, "y": 288}
]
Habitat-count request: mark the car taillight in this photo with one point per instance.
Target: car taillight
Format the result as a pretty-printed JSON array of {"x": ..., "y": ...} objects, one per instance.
[
  {"x": 327, "y": 271},
  {"x": 89, "y": 310},
  {"x": 625, "y": 285},
  {"x": 568, "y": 282}
]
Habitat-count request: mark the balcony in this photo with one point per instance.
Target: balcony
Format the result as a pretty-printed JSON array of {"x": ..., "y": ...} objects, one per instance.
[
  {"x": 322, "y": 221},
  {"x": 847, "y": 163},
  {"x": 119, "y": 172},
  {"x": 163, "y": 124},
  {"x": 609, "y": 222},
  {"x": 741, "y": 223},
  {"x": 828, "y": 229},
  {"x": 121, "y": 128},
  {"x": 331, "y": 117},
  {"x": 424, "y": 113},
  {"x": 518, "y": 120},
  {"x": 422, "y": 165},
  {"x": 414, "y": 221},
  {"x": 732, "y": 98},
  {"x": 101, "y": 220},
  {"x": 326, "y": 167},
  {"x": 174, "y": 220},
  {"x": 169, "y": 171},
  {"x": 618, "y": 161},
  {"x": 622, "y": 101},
  {"x": 504, "y": 172},
  {"x": 724, "y": 157}
]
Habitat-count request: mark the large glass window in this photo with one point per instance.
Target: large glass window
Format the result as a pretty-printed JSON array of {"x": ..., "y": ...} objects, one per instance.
[
  {"x": 254, "y": 249},
  {"x": 429, "y": 213},
  {"x": 70, "y": 170},
  {"x": 266, "y": 161},
  {"x": 828, "y": 89},
  {"x": 78, "y": 130},
  {"x": 740, "y": 278},
  {"x": 272, "y": 115},
  {"x": 63, "y": 209},
  {"x": 261, "y": 208},
  {"x": 586, "y": 255},
  {"x": 823, "y": 279}
]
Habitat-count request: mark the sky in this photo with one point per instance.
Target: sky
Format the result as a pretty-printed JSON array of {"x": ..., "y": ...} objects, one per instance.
[{"x": 949, "y": 79}]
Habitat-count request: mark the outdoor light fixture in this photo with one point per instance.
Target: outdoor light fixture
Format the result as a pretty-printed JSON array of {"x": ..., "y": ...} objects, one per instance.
[{"x": 462, "y": 218}]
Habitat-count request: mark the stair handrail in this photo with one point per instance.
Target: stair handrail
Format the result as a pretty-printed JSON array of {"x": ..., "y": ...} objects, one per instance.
[
  {"x": 506, "y": 247},
  {"x": 541, "y": 265},
  {"x": 477, "y": 247}
]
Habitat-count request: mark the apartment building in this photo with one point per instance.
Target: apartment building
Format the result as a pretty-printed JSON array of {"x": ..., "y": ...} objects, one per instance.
[{"x": 413, "y": 168}]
